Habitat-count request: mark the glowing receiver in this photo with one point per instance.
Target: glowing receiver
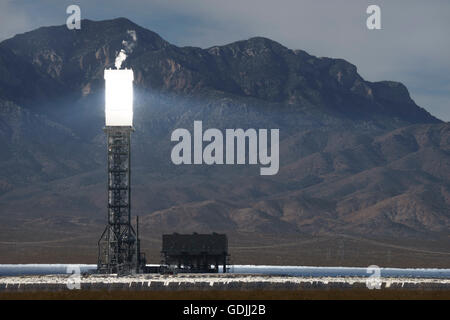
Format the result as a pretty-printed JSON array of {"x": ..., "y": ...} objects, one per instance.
[{"x": 119, "y": 97}]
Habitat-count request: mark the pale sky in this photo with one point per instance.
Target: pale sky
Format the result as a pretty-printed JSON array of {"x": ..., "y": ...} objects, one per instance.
[{"x": 413, "y": 46}]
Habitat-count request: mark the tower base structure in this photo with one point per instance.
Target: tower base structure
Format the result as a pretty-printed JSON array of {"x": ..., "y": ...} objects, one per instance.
[{"x": 119, "y": 245}]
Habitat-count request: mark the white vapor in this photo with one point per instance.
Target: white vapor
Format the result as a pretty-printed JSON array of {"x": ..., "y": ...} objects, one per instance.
[{"x": 128, "y": 49}]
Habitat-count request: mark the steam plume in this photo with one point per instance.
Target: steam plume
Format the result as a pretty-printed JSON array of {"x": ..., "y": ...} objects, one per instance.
[{"x": 127, "y": 49}]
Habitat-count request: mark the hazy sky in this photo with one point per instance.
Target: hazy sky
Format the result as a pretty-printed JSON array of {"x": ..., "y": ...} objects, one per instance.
[{"x": 413, "y": 46}]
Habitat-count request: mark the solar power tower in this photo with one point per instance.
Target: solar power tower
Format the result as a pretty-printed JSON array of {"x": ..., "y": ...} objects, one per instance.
[{"x": 119, "y": 245}]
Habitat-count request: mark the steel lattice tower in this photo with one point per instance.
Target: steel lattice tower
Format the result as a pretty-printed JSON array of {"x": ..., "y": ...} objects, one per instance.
[{"x": 119, "y": 245}]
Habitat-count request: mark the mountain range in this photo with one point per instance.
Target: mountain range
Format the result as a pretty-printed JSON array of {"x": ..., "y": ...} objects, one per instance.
[{"x": 357, "y": 158}]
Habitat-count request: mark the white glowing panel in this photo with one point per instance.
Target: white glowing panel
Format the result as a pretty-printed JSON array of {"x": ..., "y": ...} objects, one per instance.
[{"x": 119, "y": 97}]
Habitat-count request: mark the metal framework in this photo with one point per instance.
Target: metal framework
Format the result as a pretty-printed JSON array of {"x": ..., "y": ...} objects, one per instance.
[{"x": 119, "y": 245}]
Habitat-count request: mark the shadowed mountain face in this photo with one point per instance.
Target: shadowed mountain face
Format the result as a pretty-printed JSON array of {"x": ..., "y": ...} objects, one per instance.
[{"x": 356, "y": 157}]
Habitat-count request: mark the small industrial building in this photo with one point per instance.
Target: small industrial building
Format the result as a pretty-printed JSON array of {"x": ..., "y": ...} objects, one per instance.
[{"x": 202, "y": 253}]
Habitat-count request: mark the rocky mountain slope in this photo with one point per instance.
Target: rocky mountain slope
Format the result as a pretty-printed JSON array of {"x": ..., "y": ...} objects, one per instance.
[{"x": 356, "y": 157}]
